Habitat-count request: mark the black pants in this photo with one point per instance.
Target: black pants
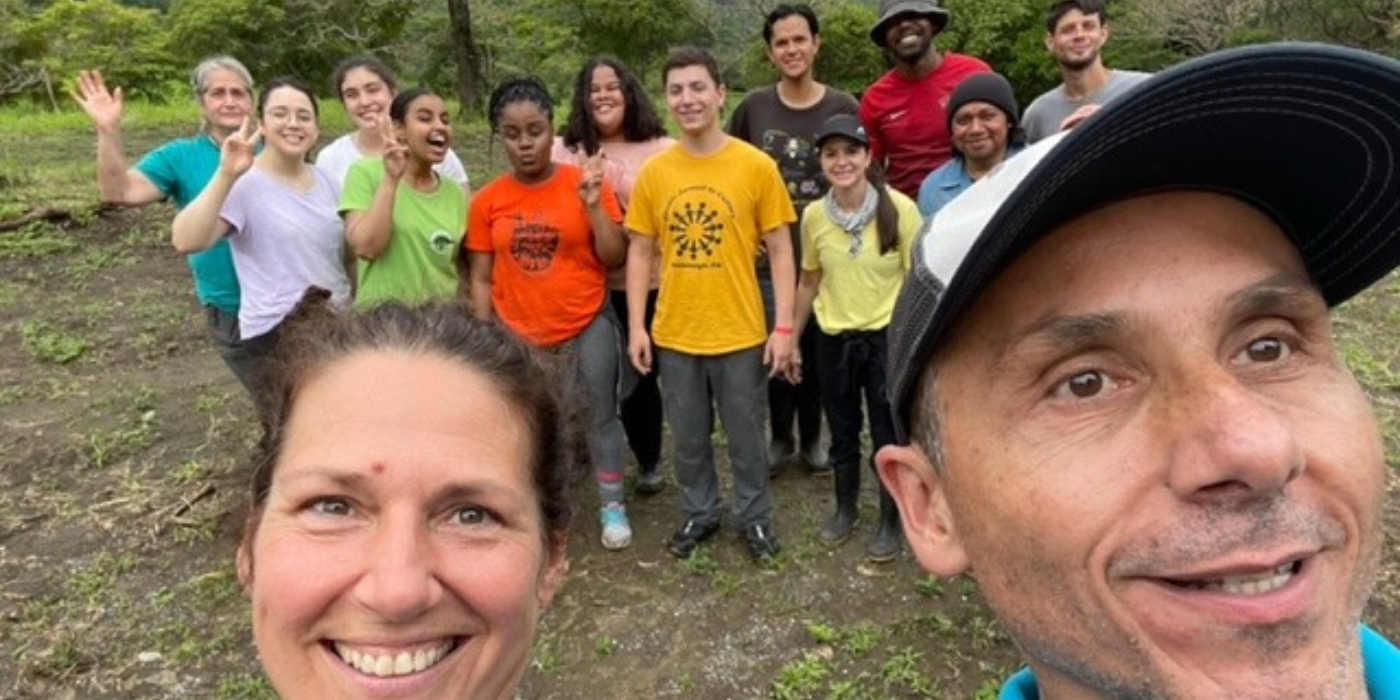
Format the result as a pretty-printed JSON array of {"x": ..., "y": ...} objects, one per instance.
[
  {"x": 852, "y": 364},
  {"x": 786, "y": 401},
  {"x": 641, "y": 410}
]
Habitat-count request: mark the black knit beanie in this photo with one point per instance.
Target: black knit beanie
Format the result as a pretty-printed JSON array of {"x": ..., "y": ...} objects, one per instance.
[{"x": 984, "y": 87}]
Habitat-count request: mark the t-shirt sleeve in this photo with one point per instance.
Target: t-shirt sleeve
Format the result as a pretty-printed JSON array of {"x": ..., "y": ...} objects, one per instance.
[
  {"x": 360, "y": 184},
  {"x": 335, "y": 160},
  {"x": 478, "y": 238},
  {"x": 775, "y": 205},
  {"x": 849, "y": 104},
  {"x": 872, "y": 134},
  {"x": 160, "y": 168},
  {"x": 811, "y": 257},
  {"x": 235, "y": 210},
  {"x": 910, "y": 224},
  {"x": 638, "y": 219},
  {"x": 739, "y": 121}
]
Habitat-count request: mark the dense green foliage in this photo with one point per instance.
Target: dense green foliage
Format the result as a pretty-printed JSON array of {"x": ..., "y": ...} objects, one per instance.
[{"x": 147, "y": 46}]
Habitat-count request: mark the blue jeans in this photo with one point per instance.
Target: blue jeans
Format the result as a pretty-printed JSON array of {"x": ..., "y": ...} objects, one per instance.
[{"x": 734, "y": 382}]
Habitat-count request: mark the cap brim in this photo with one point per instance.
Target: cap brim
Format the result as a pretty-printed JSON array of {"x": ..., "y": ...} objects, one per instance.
[
  {"x": 939, "y": 16},
  {"x": 1309, "y": 134}
]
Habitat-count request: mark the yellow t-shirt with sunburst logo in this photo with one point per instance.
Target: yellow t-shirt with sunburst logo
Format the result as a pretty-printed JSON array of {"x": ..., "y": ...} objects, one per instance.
[{"x": 708, "y": 215}]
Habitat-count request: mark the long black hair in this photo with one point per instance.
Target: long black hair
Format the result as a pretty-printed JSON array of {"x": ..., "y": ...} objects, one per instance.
[
  {"x": 640, "y": 122},
  {"x": 886, "y": 215}
]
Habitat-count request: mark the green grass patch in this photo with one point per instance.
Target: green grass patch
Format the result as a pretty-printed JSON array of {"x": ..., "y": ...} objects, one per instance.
[
  {"x": 46, "y": 343},
  {"x": 29, "y": 119},
  {"x": 104, "y": 447},
  {"x": 244, "y": 686},
  {"x": 95, "y": 583},
  {"x": 802, "y": 679},
  {"x": 36, "y": 240}
]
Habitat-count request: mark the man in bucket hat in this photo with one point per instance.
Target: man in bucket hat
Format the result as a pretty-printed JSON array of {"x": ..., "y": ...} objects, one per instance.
[
  {"x": 905, "y": 110},
  {"x": 1113, "y": 368}
]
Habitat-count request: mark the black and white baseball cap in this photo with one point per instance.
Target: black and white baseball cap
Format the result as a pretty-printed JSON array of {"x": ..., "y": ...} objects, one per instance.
[{"x": 1307, "y": 133}]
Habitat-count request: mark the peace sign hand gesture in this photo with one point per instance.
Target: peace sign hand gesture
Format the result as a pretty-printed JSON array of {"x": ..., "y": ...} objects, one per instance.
[
  {"x": 395, "y": 150},
  {"x": 236, "y": 152},
  {"x": 103, "y": 107},
  {"x": 590, "y": 188}
]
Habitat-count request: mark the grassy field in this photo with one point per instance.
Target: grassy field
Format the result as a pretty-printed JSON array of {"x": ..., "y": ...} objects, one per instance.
[{"x": 123, "y": 451}]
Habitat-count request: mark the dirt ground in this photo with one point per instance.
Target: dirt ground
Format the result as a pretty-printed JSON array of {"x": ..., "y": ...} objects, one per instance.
[{"x": 123, "y": 450}]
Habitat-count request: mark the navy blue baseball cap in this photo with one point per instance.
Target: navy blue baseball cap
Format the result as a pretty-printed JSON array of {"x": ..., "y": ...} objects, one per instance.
[{"x": 1307, "y": 133}]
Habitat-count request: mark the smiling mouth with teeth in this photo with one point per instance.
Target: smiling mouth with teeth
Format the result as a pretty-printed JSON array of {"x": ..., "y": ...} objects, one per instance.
[
  {"x": 1251, "y": 584},
  {"x": 390, "y": 665}
]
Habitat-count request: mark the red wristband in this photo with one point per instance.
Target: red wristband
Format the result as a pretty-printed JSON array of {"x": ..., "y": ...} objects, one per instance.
[{"x": 782, "y": 330}]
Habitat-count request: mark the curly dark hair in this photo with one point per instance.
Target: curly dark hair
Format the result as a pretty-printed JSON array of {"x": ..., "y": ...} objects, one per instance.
[{"x": 640, "y": 122}]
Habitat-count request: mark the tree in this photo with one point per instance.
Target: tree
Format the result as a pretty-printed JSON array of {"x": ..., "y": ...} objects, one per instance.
[
  {"x": 639, "y": 32},
  {"x": 305, "y": 38},
  {"x": 245, "y": 29},
  {"x": 471, "y": 80},
  {"x": 126, "y": 43},
  {"x": 1368, "y": 24},
  {"x": 16, "y": 77},
  {"x": 1191, "y": 27},
  {"x": 848, "y": 59},
  {"x": 1008, "y": 35}
]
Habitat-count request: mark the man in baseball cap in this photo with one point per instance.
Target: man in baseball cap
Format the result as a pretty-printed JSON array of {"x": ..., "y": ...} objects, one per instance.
[{"x": 1113, "y": 368}]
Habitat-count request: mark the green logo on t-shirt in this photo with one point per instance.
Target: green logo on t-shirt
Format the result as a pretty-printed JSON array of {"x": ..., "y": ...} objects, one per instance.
[{"x": 441, "y": 242}]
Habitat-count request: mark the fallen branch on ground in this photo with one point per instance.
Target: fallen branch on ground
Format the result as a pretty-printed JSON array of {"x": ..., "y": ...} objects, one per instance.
[{"x": 50, "y": 214}]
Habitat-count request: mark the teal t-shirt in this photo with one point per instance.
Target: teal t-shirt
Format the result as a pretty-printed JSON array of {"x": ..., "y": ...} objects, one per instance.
[
  {"x": 419, "y": 264},
  {"x": 181, "y": 169},
  {"x": 1379, "y": 658}
]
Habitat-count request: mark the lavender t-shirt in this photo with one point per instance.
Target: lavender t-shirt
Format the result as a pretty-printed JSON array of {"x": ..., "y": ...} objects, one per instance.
[{"x": 284, "y": 240}]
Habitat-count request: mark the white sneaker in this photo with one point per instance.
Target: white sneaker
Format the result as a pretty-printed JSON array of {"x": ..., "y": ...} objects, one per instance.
[{"x": 617, "y": 532}]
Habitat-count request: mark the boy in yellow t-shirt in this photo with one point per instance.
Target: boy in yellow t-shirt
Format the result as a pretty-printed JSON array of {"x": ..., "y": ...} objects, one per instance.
[{"x": 705, "y": 205}]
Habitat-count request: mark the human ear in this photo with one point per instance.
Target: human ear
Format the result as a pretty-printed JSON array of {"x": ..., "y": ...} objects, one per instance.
[
  {"x": 921, "y": 495},
  {"x": 553, "y": 573},
  {"x": 243, "y": 562}
]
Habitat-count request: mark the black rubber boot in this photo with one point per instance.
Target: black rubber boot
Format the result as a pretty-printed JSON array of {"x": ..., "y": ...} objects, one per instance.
[
  {"x": 838, "y": 528},
  {"x": 889, "y": 539}
]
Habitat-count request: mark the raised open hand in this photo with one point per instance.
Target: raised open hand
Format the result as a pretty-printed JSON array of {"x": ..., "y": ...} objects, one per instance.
[
  {"x": 395, "y": 151},
  {"x": 103, "y": 107},
  {"x": 237, "y": 151},
  {"x": 590, "y": 188}
]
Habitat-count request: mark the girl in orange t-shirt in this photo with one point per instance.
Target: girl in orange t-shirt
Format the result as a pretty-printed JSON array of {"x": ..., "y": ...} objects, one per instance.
[{"x": 540, "y": 240}]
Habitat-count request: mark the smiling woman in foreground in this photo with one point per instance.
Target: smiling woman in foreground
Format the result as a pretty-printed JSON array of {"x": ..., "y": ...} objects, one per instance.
[{"x": 405, "y": 541}]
